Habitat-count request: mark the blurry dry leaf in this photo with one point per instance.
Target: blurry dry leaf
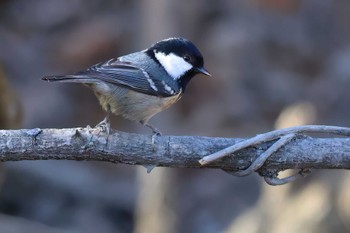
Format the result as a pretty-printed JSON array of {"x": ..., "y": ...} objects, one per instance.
[
  {"x": 301, "y": 212},
  {"x": 343, "y": 202},
  {"x": 302, "y": 113}
]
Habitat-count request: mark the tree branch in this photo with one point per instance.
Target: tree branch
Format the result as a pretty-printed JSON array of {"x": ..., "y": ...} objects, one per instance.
[{"x": 302, "y": 152}]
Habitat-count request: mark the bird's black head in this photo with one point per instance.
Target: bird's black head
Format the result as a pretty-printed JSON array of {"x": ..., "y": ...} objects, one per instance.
[{"x": 179, "y": 57}]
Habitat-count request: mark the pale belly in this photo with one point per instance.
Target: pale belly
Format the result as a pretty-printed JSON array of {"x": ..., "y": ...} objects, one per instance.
[{"x": 130, "y": 104}]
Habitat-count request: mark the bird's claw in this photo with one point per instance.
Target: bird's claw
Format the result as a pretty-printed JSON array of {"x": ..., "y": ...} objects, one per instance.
[{"x": 104, "y": 126}]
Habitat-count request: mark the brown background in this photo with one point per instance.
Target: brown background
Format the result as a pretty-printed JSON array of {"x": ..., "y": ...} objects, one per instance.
[{"x": 275, "y": 63}]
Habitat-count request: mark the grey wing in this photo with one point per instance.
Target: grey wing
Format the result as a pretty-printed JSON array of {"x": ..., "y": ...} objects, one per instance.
[{"x": 128, "y": 75}]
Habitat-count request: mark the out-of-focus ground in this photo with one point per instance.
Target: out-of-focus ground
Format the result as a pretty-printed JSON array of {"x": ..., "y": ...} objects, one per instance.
[{"x": 275, "y": 63}]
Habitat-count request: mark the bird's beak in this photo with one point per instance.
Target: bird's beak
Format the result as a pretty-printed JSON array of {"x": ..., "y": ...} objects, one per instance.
[{"x": 202, "y": 70}]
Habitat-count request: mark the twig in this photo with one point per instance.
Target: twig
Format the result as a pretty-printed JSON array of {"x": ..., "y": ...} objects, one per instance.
[
  {"x": 281, "y": 181},
  {"x": 284, "y": 135},
  {"x": 259, "y": 162},
  {"x": 272, "y": 135}
]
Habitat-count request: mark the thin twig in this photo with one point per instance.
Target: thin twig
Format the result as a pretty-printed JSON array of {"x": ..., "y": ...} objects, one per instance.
[
  {"x": 272, "y": 135},
  {"x": 259, "y": 162},
  {"x": 281, "y": 181}
]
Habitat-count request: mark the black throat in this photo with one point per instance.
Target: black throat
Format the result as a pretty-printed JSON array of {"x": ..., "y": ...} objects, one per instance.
[{"x": 185, "y": 79}]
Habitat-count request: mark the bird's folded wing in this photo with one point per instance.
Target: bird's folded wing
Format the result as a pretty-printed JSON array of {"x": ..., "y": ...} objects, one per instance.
[{"x": 128, "y": 75}]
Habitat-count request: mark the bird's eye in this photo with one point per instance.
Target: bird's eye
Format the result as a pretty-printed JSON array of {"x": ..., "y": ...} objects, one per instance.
[{"x": 187, "y": 58}]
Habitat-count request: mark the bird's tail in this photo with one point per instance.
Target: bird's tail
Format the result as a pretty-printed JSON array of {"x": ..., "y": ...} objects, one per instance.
[{"x": 69, "y": 78}]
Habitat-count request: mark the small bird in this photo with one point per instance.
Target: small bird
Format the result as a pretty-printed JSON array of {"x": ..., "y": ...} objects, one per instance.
[{"x": 139, "y": 85}]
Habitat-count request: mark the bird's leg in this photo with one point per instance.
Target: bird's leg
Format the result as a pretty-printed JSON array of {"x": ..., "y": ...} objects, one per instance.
[
  {"x": 105, "y": 125},
  {"x": 155, "y": 131}
]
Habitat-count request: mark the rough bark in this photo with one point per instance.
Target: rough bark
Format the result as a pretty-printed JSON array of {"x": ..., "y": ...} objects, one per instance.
[{"x": 303, "y": 152}]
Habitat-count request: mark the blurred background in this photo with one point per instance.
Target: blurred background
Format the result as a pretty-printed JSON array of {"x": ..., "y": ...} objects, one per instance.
[{"x": 275, "y": 63}]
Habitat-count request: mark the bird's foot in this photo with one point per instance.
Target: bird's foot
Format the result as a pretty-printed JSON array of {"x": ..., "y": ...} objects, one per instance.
[
  {"x": 155, "y": 131},
  {"x": 104, "y": 126}
]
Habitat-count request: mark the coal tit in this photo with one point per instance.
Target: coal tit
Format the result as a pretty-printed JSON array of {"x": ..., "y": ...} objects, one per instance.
[{"x": 139, "y": 85}]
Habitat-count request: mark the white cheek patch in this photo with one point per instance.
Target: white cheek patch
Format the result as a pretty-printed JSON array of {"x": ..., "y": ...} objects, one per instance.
[{"x": 174, "y": 65}]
